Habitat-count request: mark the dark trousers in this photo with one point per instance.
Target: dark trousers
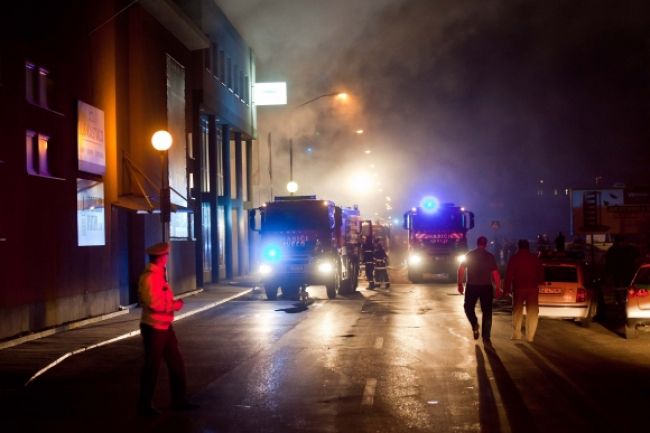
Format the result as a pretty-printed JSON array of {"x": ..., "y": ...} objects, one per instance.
[
  {"x": 484, "y": 294},
  {"x": 161, "y": 345},
  {"x": 370, "y": 273}
]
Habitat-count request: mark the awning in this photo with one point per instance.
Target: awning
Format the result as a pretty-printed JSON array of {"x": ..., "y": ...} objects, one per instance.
[{"x": 141, "y": 205}]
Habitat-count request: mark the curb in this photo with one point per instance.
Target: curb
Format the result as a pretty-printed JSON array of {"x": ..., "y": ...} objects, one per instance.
[{"x": 135, "y": 332}]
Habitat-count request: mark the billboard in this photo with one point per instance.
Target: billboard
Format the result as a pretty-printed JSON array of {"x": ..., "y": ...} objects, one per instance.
[{"x": 617, "y": 211}]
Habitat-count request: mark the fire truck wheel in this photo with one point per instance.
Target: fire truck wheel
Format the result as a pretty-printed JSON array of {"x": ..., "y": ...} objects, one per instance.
[
  {"x": 334, "y": 286},
  {"x": 271, "y": 291}
]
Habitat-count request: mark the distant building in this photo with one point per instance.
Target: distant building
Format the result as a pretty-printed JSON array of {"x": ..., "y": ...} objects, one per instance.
[{"x": 83, "y": 86}]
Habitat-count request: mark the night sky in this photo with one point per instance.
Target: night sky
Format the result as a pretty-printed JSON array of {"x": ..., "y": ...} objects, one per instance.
[{"x": 472, "y": 101}]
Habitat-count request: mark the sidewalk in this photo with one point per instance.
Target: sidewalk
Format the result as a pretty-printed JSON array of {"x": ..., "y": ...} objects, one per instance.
[{"x": 23, "y": 362}]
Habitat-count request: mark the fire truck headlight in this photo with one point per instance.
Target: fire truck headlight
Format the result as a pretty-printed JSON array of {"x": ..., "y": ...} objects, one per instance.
[
  {"x": 265, "y": 269},
  {"x": 461, "y": 258},
  {"x": 415, "y": 259},
  {"x": 325, "y": 267}
]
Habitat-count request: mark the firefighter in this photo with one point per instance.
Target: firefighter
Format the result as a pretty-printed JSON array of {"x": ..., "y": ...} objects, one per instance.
[
  {"x": 381, "y": 264},
  {"x": 368, "y": 250}
]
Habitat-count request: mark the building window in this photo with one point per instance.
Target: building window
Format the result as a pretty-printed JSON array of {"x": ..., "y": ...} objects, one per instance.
[
  {"x": 43, "y": 87},
  {"x": 241, "y": 84},
  {"x": 30, "y": 69},
  {"x": 229, "y": 73},
  {"x": 244, "y": 172},
  {"x": 221, "y": 66},
  {"x": 215, "y": 60},
  {"x": 220, "y": 144},
  {"x": 37, "y": 153},
  {"x": 233, "y": 169},
  {"x": 38, "y": 85},
  {"x": 205, "y": 152},
  {"x": 246, "y": 91}
]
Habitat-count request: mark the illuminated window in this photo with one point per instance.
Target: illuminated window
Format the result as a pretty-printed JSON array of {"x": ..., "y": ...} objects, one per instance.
[{"x": 37, "y": 153}]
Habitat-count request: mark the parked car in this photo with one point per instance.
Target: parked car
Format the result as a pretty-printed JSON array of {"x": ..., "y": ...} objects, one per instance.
[
  {"x": 637, "y": 302},
  {"x": 567, "y": 292}
]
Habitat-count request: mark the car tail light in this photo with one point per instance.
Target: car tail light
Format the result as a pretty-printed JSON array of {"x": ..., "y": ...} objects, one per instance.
[
  {"x": 581, "y": 296},
  {"x": 635, "y": 291}
]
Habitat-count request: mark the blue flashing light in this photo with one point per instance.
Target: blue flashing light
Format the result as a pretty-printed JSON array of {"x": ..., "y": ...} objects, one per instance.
[
  {"x": 430, "y": 204},
  {"x": 272, "y": 253}
]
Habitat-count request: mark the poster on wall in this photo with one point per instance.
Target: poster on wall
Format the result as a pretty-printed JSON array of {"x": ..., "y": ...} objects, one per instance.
[
  {"x": 90, "y": 139},
  {"x": 90, "y": 213}
]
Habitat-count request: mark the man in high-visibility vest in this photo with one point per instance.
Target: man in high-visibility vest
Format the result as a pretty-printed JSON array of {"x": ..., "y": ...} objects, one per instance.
[{"x": 158, "y": 336}]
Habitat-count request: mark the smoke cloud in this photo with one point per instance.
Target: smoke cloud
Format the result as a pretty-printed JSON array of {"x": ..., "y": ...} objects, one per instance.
[{"x": 500, "y": 106}]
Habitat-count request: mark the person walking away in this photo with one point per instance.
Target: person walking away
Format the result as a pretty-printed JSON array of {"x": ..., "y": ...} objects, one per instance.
[
  {"x": 479, "y": 271},
  {"x": 523, "y": 276},
  {"x": 158, "y": 336},
  {"x": 369, "y": 260}
]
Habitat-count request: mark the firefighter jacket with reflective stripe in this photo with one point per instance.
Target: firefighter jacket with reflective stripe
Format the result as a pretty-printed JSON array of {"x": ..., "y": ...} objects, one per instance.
[{"x": 156, "y": 298}]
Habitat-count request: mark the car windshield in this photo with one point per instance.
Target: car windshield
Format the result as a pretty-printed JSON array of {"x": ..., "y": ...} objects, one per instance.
[
  {"x": 643, "y": 276},
  {"x": 561, "y": 274}
]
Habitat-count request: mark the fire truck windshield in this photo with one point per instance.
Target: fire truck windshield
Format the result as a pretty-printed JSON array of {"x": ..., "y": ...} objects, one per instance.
[
  {"x": 298, "y": 216},
  {"x": 437, "y": 222}
]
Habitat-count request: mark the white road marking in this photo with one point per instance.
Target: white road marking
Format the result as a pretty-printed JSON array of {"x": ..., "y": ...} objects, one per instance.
[
  {"x": 379, "y": 342},
  {"x": 369, "y": 392},
  {"x": 132, "y": 333}
]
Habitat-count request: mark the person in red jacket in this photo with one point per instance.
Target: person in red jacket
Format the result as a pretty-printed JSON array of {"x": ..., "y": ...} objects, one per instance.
[
  {"x": 523, "y": 276},
  {"x": 158, "y": 336}
]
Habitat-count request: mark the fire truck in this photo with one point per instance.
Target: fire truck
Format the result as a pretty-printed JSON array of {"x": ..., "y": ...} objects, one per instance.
[
  {"x": 306, "y": 241},
  {"x": 437, "y": 239}
]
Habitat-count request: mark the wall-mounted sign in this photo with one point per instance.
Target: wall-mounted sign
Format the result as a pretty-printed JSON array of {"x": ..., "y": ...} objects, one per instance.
[
  {"x": 90, "y": 139},
  {"x": 270, "y": 93}
]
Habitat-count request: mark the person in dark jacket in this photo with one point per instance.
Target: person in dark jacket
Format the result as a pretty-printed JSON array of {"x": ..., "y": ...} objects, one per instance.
[
  {"x": 523, "y": 276},
  {"x": 480, "y": 268}
]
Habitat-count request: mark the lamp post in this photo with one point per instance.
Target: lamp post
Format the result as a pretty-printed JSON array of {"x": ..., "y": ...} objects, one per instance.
[
  {"x": 162, "y": 141},
  {"x": 292, "y": 186}
]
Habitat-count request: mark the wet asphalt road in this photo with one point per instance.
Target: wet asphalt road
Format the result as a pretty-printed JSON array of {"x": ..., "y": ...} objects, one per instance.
[{"x": 397, "y": 360}]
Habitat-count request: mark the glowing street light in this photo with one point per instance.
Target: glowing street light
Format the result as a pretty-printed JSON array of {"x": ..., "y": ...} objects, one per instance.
[
  {"x": 292, "y": 187},
  {"x": 162, "y": 141}
]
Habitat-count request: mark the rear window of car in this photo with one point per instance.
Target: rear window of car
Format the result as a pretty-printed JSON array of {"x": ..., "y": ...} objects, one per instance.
[
  {"x": 561, "y": 274},
  {"x": 643, "y": 276}
]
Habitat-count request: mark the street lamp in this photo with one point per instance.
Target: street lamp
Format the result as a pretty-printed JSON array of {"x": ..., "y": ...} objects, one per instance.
[
  {"x": 292, "y": 187},
  {"x": 162, "y": 141}
]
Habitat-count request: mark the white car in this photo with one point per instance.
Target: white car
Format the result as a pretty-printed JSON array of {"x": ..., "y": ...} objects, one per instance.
[
  {"x": 637, "y": 302},
  {"x": 564, "y": 294}
]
